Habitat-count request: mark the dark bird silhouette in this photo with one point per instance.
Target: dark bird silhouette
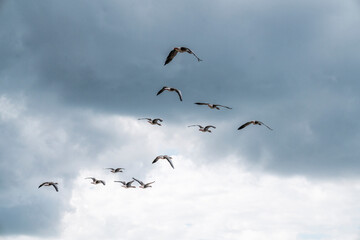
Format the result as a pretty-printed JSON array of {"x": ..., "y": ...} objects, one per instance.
[
  {"x": 143, "y": 185},
  {"x": 171, "y": 90},
  {"x": 203, "y": 129},
  {"x": 213, "y": 106},
  {"x": 154, "y": 121},
  {"x": 173, "y": 53},
  {"x": 168, "y": 158},
  {"x": 50, "y": 184},
  {"x": 126, "y": 184},
  {"x": 116, "y": 170},
  {"x": 254, "y": 123},
  {"x": 96, "y": 181}
]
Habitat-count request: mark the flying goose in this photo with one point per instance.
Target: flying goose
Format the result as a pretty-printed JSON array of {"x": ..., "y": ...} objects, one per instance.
[
  {"x": 168, "y": 158},
  {"x": 203, "y": 129},
  {"x": 50, "y": 184},
  {"x": 126, "y": 184},
  {"x": 154, "y": 121},
  {"x": 173, "y": 53},
  {"x": 116, "y": 170},
  {"x": 212, "y": 106},
  {"x": 143, "y": 185},
  {"x": 171, "y": 90},
  {"x": 255, "y": 123},
  {"x": 95, "y": 181}
]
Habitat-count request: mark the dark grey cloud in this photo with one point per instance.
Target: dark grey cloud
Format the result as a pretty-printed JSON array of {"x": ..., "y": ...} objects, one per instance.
[
  {"x": 35, "y": 217},
  {"x": 268, "y": 61}
]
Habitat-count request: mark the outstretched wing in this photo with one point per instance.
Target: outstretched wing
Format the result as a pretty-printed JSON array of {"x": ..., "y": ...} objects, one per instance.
[
  {"x": 244, "y": 125},
  {"x": 140, "y": 182},
  {"x": 156, "y": 159},
  {"x": 191, "y": 52},
  {"x": 94, "y": 179},
  {"x": 124, "y": 183},
  {"x": 199, "y": 103},
  {"x": 195, "y": 126},
  {"x": 128, "y": 184},
  {"x": 144, "y": 118},
  {"x": 119, "y": 169},
  {"x": 103, "y": 182},
  {"x": 149, "y": 183},
  {"x": 222, "y": 106},
  {"x": 169, "y": 160},
  {"x": 207, "y": 127},
  {"x": 43, "y": 184},
  {"x": 265, "y": 125},
  {"x": 158, "y": 119},
  {"x": 170, "y": 57},
  {"x": 161, "y": 90},
  {"x": 179, "y": 93},
  {"x": 199, "y": 60},
  {"x": 56, "y": 188}
]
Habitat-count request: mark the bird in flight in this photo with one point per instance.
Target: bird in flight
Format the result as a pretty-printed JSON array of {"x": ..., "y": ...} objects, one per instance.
[
  {"x": 116, "y": 170},
  {"x": 96, "y": 181},
  {"x": 255, "y": 123},
  {"x": 154, "y": 121},
  {"x": 203, "y": 129},
  {"x": 168, "y": 158},
  {"x": 50, "y": 184},
  {"x": 126, "y": 184},
  {"x": 173, "y": 53},
  {"x": 213, "y": 106},
  {"x": 171, "y": 90},
  {"x": 143, "y": 185}
]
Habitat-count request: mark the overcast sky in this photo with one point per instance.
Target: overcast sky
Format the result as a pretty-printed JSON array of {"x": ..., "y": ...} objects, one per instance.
[{"x": 75, "y": 76}]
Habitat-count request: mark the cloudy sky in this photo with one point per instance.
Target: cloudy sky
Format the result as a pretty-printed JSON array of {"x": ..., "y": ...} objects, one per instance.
[{"x": 75, "y": 76}]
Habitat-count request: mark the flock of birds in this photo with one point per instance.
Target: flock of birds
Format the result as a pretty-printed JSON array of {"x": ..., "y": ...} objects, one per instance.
[{"x": 157, "y": 121}]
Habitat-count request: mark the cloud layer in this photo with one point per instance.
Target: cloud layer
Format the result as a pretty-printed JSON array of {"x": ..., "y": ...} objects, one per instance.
[{"x": 76, "y": 75}]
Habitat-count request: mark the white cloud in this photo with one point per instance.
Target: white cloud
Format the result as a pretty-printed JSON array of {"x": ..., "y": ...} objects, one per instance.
[{"x": 214, "y": 201}]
